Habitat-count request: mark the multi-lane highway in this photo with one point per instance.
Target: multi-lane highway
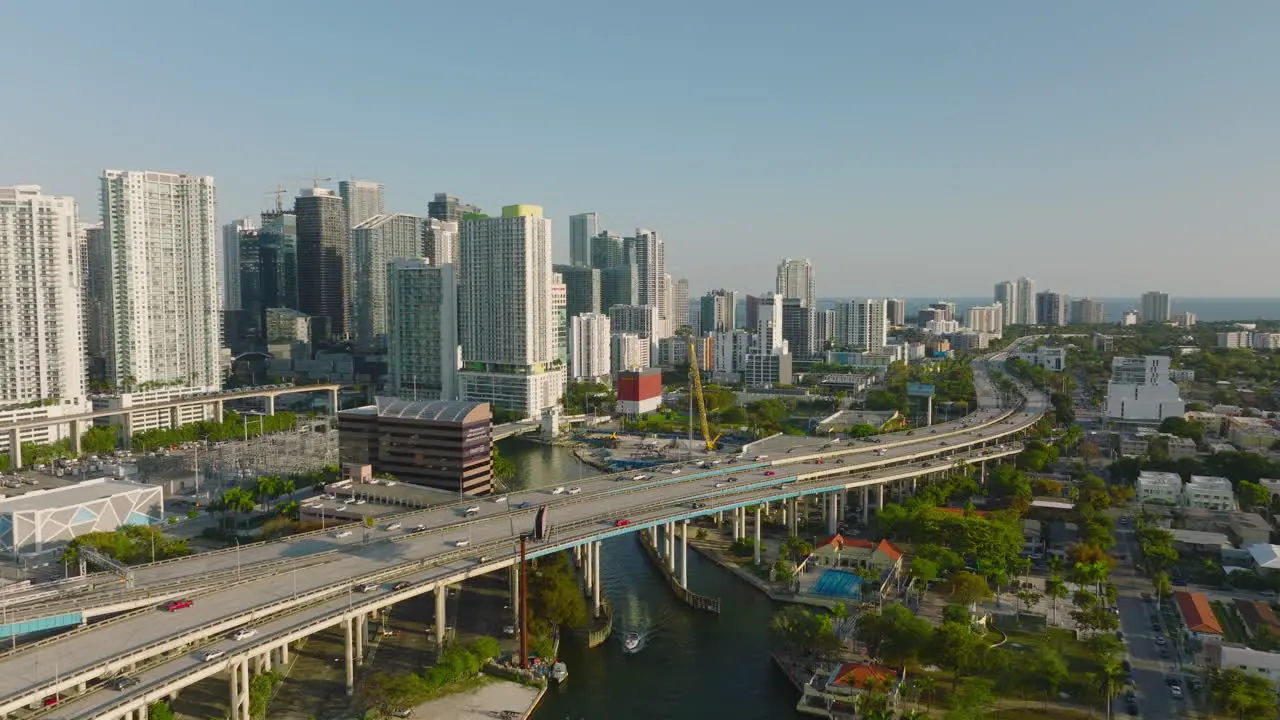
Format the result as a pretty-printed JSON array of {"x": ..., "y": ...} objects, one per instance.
[{"x": 308, "y": 580}]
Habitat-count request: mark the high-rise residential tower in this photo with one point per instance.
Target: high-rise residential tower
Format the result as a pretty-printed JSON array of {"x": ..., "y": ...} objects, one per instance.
[
  {"x": 440, "y": 241},
  {"x": 507, "y": 333},
  {"x": 582, "y": 228},
  {"x": 799, "y": 328},
  {"x": 719, "y": 311},
  {"x": 1086, "y": 311},
  {"x": 229, "y": 260},
  {"x": 322, "y": 259},
  {"x": 1155, "y": 307},
  {"x": 376, "y": 242},
  {"x": 42, "y": 351},
  {"x": 582, "y": 289},
  {"x": 861, "y": 324},
  {"x": 986, "y": 319},
  {"x": 895, "y": 311},
  {"x": 422, "y": 330},
  {"x": 796, "y": 280},
  {"x": 649, "y": 256},
  {"x": 609, "y": 251},
  {"x": 162, "y": 233},
  {"x": 1025, "y": 290},
  {"x": 361, "y": 200},
  {"x": 679, "y": 304},
  {"x": 449, "y": 208},
  {"x": 589, "y": 347},
  {"x": 1051, "y": 308},
  {"x": 1006, "y": 295}
]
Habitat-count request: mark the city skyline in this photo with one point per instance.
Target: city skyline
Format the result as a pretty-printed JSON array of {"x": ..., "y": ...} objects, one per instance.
[{"x": 1026, "y": 148}]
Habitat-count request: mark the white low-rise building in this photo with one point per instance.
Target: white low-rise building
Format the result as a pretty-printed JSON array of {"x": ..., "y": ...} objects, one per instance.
[
  {"x": 1224, "y": 656},
  {"x": 1165, "y": 487},
  {"x": 35, "y": 521},
  {"x": 1140, "y": 390},
  {"x": 1210, "y": 493}
]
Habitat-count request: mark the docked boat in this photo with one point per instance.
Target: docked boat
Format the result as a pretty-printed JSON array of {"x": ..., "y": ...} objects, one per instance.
[
  {"x": 631, "y": 642},
  {"x": 559, "y": 672}
]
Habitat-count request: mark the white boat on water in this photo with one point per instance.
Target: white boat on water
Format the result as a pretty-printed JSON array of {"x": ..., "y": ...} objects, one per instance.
[
  {"x": 631, "y": 642},
  {"x": 559, "y": 672}
]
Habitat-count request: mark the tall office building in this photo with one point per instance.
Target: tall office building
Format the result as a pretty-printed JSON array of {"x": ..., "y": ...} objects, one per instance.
[
  {"x": 946, "y": 309},
  {"x": 649, "y": 256},
  {"x": 986, "y": 319},
  {"x": 1025, "y": 290},
  {"x": 229, "y": 260},
  {"x": 97, "y": 284},
  {"x": 679, "y": 304},
  {"x": 422, "y": 330},
  {"x": 376, "y": 242},
  {"x": 1051, "y": 308},
  {"x": 278, "y": 245},
  {"x": 799, "y": 328},
  {"x": 619, "y": 285},
  {"x": 1086, "y": 311},
  {"x": 719, "y": 311},
  {"x": 796, "y": 280},
  {"x": 769, "y": 339},
  {"x": 361, "y": 200},
  {"x": 507, "y": 332},
  {"x": 42, "y": 351},
  {"x": 609, "y": 251},
  {"x": 824, "y": 328},
  {"x": 639, "y": 320},
  {"x": 589, "y": 347},
  {"x": 582, "y": 228},
  {"x": 249, "y": 321},
  {"x": 751, "y": 306},
  {"x": 1006, "y": 295},
  {"x": 162, "y": 230},
  {"x": 560, "y": 319},
  {"x": 628, "y": 351},
  {"x": 582, "y": 289},
  {"x": 895, "y": 311},
  {"x": 861, "y": 324},
  {"x": 449, "y": 208},
  {"x": 322, "y": 259},
  {"x": 440, "y": 241},
  {"x": 1155, "y": 307}
]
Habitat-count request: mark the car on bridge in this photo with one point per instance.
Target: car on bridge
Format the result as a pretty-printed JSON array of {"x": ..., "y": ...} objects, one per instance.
[
  {"x": 401, "y": 585},
  {"x": 622, "y": 523},
  {"x": 244, "y": 634},
  {"x": 123, "y": 683},
  {"x": 558, "y": 491},
  {"x": 176, "y": 605},
  {"x": 575, "y": 490},
  {"x": 769, "y": 473},
  {"x": 214, "y": 655},
  {"x": 524, "y": 505}
]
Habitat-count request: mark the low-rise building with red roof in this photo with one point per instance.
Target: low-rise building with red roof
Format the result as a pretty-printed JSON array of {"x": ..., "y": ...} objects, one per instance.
[
  {"x": 840, "y": 688},
  {"x": 1197, "y": 615}
]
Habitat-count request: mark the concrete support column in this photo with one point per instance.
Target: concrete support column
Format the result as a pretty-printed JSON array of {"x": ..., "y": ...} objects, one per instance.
[
  {"x": 175, "y": 417},
  {"x": 245, "y": 705},
  {"x": 784, "y": 515},
  {"x": 880, "y": 500},
  {"x": 142, "y": 712},
  {"x": 271, "y": 404},
  {"x": 719, "y": 518},
  {"x": 361, "y": 624},
  {"x": 15, "y": 449},
  {"x": 866, "y": 505},
  {"x": 983, "y": 467},
  {"x": 126, "y": 427},
  {"x": 217, "y": 411},
  {"x": 441, "y": 592},
  {"x": 515, "y": 591},
  {"x": 333, "y": 402},
  {"x": 284, "y": 654},
  {"x": 595, "y": 573},
  {"x": 684, "y": 554},
  {"x": 671, "y": 547},
  {"x": 794, "y": 517},
  {"x": 757, "y": 543},
  {"x": 586, "y": 564},
  {"x": 235, "y": 691},
  {"x": 913, "y": 485},
  {"x": 829, "y": 509},
  {"x": 826, "y": 509},
  {"x": 350, "y": 656},
  {"x": 75, "y": 436},
  {"x": 734, "y": 512}
]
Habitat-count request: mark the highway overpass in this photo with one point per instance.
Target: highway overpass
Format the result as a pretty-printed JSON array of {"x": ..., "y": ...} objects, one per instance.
[{"x": 285, "y": 604}]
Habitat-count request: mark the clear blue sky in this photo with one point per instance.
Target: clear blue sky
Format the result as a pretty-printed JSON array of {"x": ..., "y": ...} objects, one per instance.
[{"x": 908, "y": 148}]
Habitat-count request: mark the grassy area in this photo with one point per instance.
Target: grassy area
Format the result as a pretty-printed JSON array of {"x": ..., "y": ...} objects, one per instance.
[
  {"x": 1035, "y": 711},
  {"x": 1232, "y": 624}
]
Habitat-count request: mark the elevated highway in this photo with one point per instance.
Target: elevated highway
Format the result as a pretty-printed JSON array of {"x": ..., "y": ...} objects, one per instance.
[{"x": 283, "y": 601}]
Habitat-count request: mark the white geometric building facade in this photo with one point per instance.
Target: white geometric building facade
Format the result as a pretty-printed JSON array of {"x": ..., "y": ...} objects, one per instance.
[{"x": 33, "y": 522}]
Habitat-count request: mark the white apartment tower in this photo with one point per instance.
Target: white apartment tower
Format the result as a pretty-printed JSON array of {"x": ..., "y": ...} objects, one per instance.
[
  {"x": 162, "y": 238},
  {"x": 229, "y": 260},
  {"x": 796, "y": 279},
  {"x": 440, "y": 241},
  {"x": 507, "y": 328},
  {"x": 376, "y": 242},
  {"x": 582, "y": 228},
  {"x": 589, "y": 347},
  {"x": 862, "y": 324},
  {"x": 42, "y": 351},
  {"x": 679, "y": 304},
  {"x": 361, "y": 200},
  {"x": 649, "y": 253},
  {"x": 422, "y": 325},
  {"x": 1155, "y": 307},
  {"x": 769, "y": 326},
  {"x": 1025, "y": 290},
  {"x": 986, "y": 319}
]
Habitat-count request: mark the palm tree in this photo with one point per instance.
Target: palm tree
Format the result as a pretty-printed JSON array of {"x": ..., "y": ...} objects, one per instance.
[
  {"x": 1055, "y": 588},
  {"x": 924, "y": 686}
]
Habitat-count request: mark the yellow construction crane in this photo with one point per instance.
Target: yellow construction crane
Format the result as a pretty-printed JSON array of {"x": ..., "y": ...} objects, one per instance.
[
  {"x": 695, "y": 377},
  {"x": 279, "y": 192}
]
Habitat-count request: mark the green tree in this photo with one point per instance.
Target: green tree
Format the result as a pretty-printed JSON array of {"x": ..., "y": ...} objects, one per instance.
[
  {"x": 160, "y": 711},
  {"x": 958, "y": 649},
  {"x": 1253, "y": 496},
  {"x": 968, "y": 588},
  {"x": 1244, "y": 695},
  {"x": 389, "y": 692}
]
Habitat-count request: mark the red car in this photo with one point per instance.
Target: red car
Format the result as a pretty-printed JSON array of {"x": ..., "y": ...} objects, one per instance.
[
  {"x": 622, "y": 523},
  {"x": 51, "y": 700},
  {"x": 175, "y": 605},
  {"x": 769, "y": 473}
]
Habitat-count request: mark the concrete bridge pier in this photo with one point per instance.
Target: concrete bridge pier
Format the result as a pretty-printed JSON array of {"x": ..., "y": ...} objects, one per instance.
[
  {"x": 671, "y": 546},
  {"x": 350, "y": 655},
  {"x": 270, "y": 402},
  {"x": 515, "y": 592},
  {"x": 239, "y": 708},
  {"x": 734, "y": 512},
  {"x": 866, "y": 504},
  {"x": 880, "y": 499},
  {"x": 141, "y": 713},
  {"x": 793, "y": 517},
  {"x": 584, "y": 562},
  {"x": 684, "y": 554},
  {"x": 441, "y": 592},
  {"x": 829, "y": 511},
  {"x": 757, "y": 543},
  {"x": 361, "y": 625},
  {"x": 913, "y": 486},
  {"x": 283, "y": 655},
  {"x": 175, "y": 417},
  {"x": 333, "y": 401},
  {"x": 75, "y": 428},
  {"x": 217, "y": 411},
  {"x": 595, "y": 574},
  {"x": 15, "y": 449}
]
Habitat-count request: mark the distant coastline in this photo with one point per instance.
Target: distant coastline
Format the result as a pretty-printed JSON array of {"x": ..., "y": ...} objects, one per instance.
[{"x": 1206, "y": 309}]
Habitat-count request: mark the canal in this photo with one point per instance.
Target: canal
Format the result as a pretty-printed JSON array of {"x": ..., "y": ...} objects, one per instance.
[{"x": 690, "y": 665}]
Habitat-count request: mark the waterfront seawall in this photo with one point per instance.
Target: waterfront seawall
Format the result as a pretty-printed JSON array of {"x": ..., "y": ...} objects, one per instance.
[{"x": 687, "y": 596}]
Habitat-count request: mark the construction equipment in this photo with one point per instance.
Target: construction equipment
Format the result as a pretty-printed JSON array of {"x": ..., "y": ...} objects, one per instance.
[
  {"x": 315, "y": 179},
  {"x": 695, "y": 379},
  {"x": 279, "y": 192}
]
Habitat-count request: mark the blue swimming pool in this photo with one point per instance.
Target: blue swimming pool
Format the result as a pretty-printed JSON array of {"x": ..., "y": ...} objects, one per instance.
[{"x": 839, "y": 583}]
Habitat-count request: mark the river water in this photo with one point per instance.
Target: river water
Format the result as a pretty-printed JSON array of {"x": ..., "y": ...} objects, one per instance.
[{"x": 690, "y": 665}]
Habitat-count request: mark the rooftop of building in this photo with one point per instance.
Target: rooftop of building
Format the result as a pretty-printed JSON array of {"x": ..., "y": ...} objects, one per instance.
[
  {"x": 1196, "y": 612},
  {"x": 450, "y": 411},
  {"x": 858, "y": 674},
  {"x": 1209, "y": 482},
  {"x": 1199, "y": 537},
  {"x": 1265, "y": 555},
  {"x": 1155, "y": 477},
  {"x": 69, "y": 495}
]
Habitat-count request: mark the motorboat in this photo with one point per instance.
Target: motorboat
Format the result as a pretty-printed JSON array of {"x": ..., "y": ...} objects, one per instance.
[
  {"x": 559, "y": 672},
  {"x": 631, "y": 642}
]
